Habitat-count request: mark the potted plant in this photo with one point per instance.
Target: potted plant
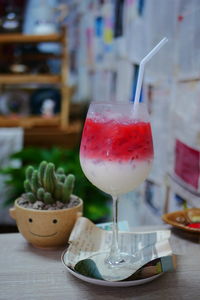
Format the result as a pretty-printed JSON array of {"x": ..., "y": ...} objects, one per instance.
[
  {"x": 46, "y": 213},
  {"x": 13, "y": 178}
]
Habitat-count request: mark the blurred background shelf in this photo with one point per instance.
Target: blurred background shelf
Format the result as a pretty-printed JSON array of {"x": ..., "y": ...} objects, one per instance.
[
  {"x": 60, "y": 80},
  {"x": 47, "y": 132},
  {"x": 28, "y": 122},
  {"x": 29, "y": 78},
  {"x": 47, "y": 136},
  {"x": 30, "y": 38}
]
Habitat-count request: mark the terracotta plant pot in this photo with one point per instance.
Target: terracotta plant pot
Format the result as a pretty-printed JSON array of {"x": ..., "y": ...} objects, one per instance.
[{"x": 46, "y": 228}]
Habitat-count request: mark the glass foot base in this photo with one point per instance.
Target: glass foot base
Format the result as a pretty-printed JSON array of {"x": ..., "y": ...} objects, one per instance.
[{"x": 115, "y": 270}]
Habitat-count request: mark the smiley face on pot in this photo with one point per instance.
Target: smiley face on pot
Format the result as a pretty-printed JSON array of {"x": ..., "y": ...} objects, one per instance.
[
  {"x": 54, "y": 221},
  {"x": 46, "y": 228}
]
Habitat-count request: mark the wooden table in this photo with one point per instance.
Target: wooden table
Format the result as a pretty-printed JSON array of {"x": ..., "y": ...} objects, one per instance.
[{"x": 28, "y": 273}]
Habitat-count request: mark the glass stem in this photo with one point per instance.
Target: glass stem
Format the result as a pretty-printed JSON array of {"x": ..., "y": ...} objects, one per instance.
[{"x": 114, "y": 257}]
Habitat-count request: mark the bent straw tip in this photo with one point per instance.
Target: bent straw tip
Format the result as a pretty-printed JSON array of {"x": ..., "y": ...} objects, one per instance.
[
  {"x": 164, "y": 40},
  {"x": 142, "y": 64}
]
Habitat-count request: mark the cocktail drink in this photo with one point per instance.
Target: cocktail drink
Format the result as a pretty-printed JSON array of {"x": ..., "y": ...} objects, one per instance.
[
  {"x": 116, "y": 155},
  {"x": 116, "y": 149}
]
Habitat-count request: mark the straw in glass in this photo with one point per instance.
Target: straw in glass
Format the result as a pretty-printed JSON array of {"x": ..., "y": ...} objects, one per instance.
[{"x": 142, "y": 65}]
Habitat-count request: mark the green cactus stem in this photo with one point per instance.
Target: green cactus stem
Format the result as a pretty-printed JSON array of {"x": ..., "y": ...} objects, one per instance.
[
  {"x": 60, "y": 171},
  {"x": 58, "y": 191},
  {"x": 34, "y": 182},
  {"x": 29, "y": 172},
  {"x": 61, "y": 177},
  {"x": 68, "y": 188},
  {"x": 27, "y": 186},
  {"x": 41, "y": 172},
  {"x": 50, "y": 178},
  {"x": 48, "y": 198},
  {"x": 40, "y": 194},
  {"x": 31, "y": 197}
]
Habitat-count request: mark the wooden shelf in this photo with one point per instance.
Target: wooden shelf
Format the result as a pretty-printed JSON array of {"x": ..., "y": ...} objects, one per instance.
[
  {"x": 77, "y": 115},
  {"x": 43, "y": 137},
  {"x": 32, "y": 57},
  {"x": 33, "y": 123},
  {"x": 28, "y": 78},
  {"x": 29, "y": 122},
  {"x": 29, "y": 38}
]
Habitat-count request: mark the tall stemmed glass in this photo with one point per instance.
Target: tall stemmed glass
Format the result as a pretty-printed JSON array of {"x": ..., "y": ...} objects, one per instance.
[{"x": 116, "y": 155}]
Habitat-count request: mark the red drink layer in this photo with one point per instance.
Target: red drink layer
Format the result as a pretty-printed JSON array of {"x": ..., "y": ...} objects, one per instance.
[{"x": 114, "y": 141}]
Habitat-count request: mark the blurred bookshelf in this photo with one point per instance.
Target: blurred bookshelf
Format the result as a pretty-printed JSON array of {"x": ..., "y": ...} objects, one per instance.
[{"x": 60, "y": 128}]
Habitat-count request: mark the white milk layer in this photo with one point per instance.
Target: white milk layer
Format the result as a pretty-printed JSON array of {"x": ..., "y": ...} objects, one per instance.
[{"x": 115, "y": 178}]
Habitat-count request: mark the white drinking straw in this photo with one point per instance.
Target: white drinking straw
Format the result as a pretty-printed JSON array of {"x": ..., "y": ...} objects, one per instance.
[{"x": 141, "y": 68}]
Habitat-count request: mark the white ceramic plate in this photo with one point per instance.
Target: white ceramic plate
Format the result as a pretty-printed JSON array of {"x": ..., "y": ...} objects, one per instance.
[{"x": 108, "y": 283}]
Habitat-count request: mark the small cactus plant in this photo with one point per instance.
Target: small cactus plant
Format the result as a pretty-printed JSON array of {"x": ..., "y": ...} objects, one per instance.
[{"x": 47, "y": 184}]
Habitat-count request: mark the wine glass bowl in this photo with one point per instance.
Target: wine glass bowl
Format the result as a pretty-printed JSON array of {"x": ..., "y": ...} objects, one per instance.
[{"x": 116, "y": 150}]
